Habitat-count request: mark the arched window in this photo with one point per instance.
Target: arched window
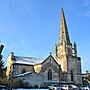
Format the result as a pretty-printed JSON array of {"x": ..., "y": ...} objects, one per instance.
[
  {"x": 49, "y": 74},
  {"x": 23, "y": 71},
  {"x": 72, "y": 79}
]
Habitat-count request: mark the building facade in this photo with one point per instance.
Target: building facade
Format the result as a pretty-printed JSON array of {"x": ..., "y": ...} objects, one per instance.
[{"x": 64, "y": 67}]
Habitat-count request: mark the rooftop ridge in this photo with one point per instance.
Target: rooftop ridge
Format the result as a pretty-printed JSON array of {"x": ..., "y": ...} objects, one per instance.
[{"x": 28, "y": 57}]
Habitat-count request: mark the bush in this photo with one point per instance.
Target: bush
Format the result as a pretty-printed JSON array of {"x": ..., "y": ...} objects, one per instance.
[{"x": 14, "y": 83}]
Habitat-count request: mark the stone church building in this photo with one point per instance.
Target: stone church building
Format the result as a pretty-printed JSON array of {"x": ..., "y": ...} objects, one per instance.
[{"x": 64, "y": 67}]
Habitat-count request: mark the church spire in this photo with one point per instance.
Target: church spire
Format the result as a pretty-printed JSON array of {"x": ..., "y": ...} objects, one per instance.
[{"x": 64, "y": 36}]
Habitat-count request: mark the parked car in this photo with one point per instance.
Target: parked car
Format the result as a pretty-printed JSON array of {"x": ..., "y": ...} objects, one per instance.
[
  {"x": 54, "y": 87},
  {"x": 2, "y": 87},
  {"x": 85, "y": 88},
  {"x": 69, "y": 87},
  {"x": 66, "y": 87},
  {"x": 74, "y": 87}
]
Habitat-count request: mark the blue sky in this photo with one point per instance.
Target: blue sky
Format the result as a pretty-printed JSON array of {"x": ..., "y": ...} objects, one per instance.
[{"x": 31, "y": 27}]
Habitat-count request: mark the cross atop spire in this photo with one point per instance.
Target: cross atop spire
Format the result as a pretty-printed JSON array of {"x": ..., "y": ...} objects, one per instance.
[{"x": 64, "y": 36}]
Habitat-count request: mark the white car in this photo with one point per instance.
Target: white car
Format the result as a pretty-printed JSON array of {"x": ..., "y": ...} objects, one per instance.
[
  {"x": 69, "y": 87},
  {"x": 74, "y": 87},
  {"x": 85, "y": 88},
  {"x": 66, "y": 87},
  {"x": 2, "y": 87},
  {"x": 54, "y": 87}
]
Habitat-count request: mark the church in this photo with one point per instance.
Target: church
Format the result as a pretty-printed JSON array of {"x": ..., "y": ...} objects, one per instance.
[{"x": 63, "y": 67}]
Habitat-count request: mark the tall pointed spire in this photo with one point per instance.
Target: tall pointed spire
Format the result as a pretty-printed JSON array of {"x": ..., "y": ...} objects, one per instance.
[{"x": 64, "y": 36}]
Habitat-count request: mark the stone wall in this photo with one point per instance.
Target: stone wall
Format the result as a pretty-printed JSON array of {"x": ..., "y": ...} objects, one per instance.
[
  {"x": 74, "y": 65},
  {"x": 32, "y": 78},
  {"x": 9, "y": 65},
  {"x": 37, "y": 68},
  {"x": 50, "y": 63},
  {"x": 18, "y": 68}
]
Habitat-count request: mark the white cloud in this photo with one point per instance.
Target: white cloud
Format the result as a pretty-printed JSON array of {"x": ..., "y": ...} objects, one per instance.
[
  {"x": 87, "y": 2},
  {"x": 87, "y": 8},
  {"x": 87, "y": 14}
]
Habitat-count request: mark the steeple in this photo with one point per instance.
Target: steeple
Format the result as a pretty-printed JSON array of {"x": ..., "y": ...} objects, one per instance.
[{"x": 64, "y": 36}]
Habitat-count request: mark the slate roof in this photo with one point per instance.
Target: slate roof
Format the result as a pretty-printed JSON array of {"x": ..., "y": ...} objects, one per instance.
[{"x": 27, "y": 60}]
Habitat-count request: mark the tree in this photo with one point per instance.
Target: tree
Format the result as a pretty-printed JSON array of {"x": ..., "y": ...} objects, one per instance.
[
  {"x": 1, "y": 62},
  {"x": 1, "y": 67},
  {"x": 87, "y": 77},
  {"x": 14, "y": 83}
]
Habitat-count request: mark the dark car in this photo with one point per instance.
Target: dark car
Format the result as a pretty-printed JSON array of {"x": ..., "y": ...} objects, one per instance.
[{"x": 2, "y": 87}]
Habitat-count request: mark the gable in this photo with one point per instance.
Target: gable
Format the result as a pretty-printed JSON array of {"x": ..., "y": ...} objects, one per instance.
[{"x": 50, "y": 62}]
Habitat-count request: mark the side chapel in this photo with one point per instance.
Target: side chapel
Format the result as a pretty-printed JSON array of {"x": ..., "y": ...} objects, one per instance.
[{"x": 64, "y": 67}]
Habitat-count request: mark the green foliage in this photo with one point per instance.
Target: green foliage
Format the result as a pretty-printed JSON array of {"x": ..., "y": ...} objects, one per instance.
[
  {"x": 1, "y": 64},
  {"x": 87, "y": 77},
  {"x": 14, "y": 83},
  {"x": 4, "y": 81},
  {"x": 1, "y": 68}
]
